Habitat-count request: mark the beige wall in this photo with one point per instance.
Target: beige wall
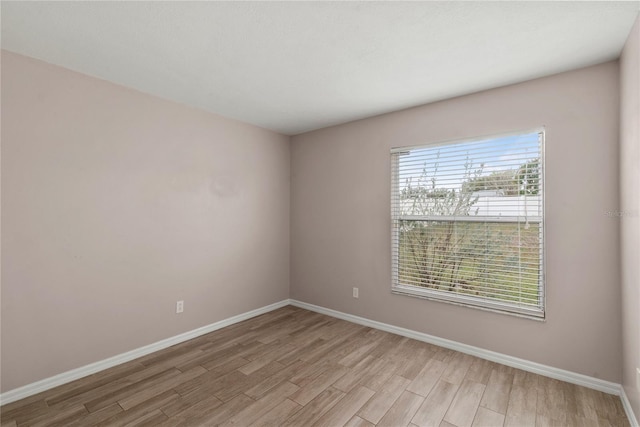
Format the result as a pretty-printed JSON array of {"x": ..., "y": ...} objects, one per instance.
[
  {"x": 630, "y": 210},
  {"x": 340, "y": 213},
  {"x": 115, "y": 205}
]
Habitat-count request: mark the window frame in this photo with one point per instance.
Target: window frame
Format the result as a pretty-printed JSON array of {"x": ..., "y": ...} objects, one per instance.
[{"x": 535, "y": 313}]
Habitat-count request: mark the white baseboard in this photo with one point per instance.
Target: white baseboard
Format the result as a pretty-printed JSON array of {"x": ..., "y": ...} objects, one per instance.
[
  {"x": 525, "y": 365},
  {"x": 627, "y": 408},
  {"x": 83, "y": 371}
]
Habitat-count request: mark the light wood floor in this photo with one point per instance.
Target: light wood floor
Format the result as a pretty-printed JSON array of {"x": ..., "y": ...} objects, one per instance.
[{"x": 292, "y": 367}]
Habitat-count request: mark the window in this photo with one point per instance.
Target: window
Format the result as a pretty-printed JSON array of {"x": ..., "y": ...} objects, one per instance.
[{"x": 468, "y": 222}]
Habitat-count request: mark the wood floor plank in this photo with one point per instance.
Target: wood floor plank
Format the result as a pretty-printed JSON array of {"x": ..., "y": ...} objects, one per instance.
[
  {"x": 191, "y": 407},
  {"x": 496, "y": 394},
  {"x": 606, "y": 407},
  {"x": 570, "y": 397},
  {"x": 586, "y": 404},
  {"x": 480, "y": 371},
  {"x": 233, "y": 338},
  {"x": 551, "y": 403},
  {"x": 182, "y": 360},
  {"x": 152, "y": 419},
  {"x": 414, "y": 361},
  {"x": 402, "y": 411},
  {"x": 444, "y": 354},
  {"x": 342, "y": 331},
  {"x": 265, "y": 359},
  {"x": 427, "y": 377},
  {"x": 388, "y": 343},
  {"x": 525, "y": 379},
  {"x": 221, "y": 413},
  {"x": 340, "y": 338},
  {"x": 219, "y": 369},
  {"x": 355, "y": 356},
  {"x": 356, "y": 421},
  {"x": 276, "y": 379},
  {"x": 271, "y": 319},
  {"x": 521, "y": 410},
  {"x": 90, "y": 394},
  {"x": 88, "y": 383},
  {"x": 168, "y": 353},
  {"x": 292, "y": 367},
  {"x": 300, "y": 351},
  {"x": 435, "y": 406},
  {"x": 313, "y": 333},
  {"x": 398, "y": 351},
  {"x": 358, "y": 373},
  {"x": 23, "y": 413},
  {"x": 577, "y": 421},
  {"x": 378, "y": 405},
  {"x": 119, "y": 384},
  {"x": 465, "y": 404},
  {"x": 309, "y": 392},
  {"x": 276, "y": 416},
  {"x": 256, "y": 349},
  {"x": 139, "y": 412},
  {"x": 261, "y": 407},
  {"x": 106, "y": 400},
  {"x": 357, "y": 340},
  {"x": 211, "y": 357},
  {"x": 160, "y": 387},
  {"x": 346, "y": 408},
  {"x": 487, "y": 418},
  {"x": 310, "y": 372},
  {"x": 457, "y": 368},
  {"x": 282, "y": 333},
  {"x": 97, "y": 417},
  {"x": 58, "y": 418},
  {"x": 376, "y": 378},
  {"x": 207, "y": 380},
  {"x": 243, "y": 382},
  {"x": 315, "y": 409}
]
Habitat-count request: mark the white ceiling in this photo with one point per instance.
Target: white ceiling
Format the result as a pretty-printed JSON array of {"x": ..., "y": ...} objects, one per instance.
[{"x": 298, "y": 66}]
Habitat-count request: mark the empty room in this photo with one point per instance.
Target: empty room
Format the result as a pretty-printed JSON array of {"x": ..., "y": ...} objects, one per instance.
[{"x": 320, "y": 213}]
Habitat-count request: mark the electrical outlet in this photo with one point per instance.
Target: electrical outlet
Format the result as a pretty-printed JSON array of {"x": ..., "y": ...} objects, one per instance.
[
  {"x": 179, "y": 306},
  {"x": 355, "y": 292},
  {"x": 638, "y": 378}
]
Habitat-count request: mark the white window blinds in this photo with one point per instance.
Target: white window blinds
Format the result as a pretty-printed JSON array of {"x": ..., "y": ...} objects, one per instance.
[{"x": 468, "y": 222}]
